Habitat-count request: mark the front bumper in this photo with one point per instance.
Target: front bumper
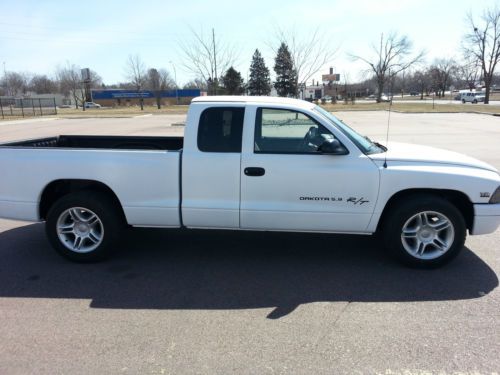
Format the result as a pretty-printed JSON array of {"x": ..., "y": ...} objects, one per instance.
[{"x": 486, "y": 218}]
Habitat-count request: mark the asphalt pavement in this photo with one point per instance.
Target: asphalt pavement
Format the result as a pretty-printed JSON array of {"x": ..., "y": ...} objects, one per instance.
[{"x": 218, "y": 302}]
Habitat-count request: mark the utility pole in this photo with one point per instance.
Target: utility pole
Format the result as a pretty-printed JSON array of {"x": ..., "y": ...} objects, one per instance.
[
  {"x": 176, "y": 87},
  {"x": 215, "y": 62}
]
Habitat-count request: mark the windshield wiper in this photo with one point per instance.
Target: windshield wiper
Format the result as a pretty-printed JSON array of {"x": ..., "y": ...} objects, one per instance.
[
  {"x": 375, "y": 143},
  {"x": 380, "y": 145}
]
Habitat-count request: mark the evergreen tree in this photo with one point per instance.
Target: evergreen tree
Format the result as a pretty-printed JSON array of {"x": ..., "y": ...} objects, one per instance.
[
  {"x": 259, "y": 82},
  {"x": 286, "y": 75},
  {"x": 232, "y": 81}
]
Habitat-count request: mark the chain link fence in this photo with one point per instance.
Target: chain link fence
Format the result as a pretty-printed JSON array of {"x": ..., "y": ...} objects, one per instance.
[{"x": 27, "y": 107}]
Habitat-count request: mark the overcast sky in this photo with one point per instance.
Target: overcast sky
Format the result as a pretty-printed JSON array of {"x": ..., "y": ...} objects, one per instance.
[{"x": 36, "y": 36}]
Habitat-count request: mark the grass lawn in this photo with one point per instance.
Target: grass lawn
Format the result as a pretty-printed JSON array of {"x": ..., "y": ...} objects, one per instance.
[
  {"x": 493, "y": 96},
  {"x": 121, "y": 111},
  {"x": 414, "y": 107},
  {"x": 417, "y": 107}
]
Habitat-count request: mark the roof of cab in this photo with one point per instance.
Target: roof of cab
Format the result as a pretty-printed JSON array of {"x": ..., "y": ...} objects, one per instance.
[{"x": 254, "y": 99}]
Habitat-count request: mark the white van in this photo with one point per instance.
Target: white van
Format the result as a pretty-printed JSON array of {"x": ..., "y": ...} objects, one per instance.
[{"x": 471, "y": 97}]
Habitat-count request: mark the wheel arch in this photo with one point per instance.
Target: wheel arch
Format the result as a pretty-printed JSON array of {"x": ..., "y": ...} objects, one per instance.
[
  {"x": 59, "y": 188},
  {"x": 460, "y": 200}
]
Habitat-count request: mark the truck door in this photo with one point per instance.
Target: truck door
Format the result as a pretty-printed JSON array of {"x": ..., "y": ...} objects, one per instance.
[
  {"x": 287, "y": 184},
  {"x": 211, "y": 166}
]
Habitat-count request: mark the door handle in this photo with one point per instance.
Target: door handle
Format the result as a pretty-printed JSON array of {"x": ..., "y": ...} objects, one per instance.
[{"x": 255, "y": 171}]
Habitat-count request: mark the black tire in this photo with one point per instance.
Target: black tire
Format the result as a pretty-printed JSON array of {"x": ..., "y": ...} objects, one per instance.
[
  {"x": 463, "y": 101},
  {"x": 404, "y": 211},
  {"x": 111, "y": 223},
  {"x": 474, "y": 102}
]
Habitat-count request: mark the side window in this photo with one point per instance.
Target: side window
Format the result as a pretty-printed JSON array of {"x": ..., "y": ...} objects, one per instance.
[
  {"x": 220, "y": 129},
  {"x": 286, "y": 131}
]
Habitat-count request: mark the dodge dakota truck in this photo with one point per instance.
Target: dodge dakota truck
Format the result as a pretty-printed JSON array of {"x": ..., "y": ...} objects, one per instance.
[{"x": 250, "y": 163}]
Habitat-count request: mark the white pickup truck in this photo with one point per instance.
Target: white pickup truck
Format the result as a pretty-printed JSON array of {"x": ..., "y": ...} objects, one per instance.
[{"x": 250, "y": 163}]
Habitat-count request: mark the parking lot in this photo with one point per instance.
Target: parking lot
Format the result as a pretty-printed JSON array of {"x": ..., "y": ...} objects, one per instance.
[{"x": 175, "y": 301}]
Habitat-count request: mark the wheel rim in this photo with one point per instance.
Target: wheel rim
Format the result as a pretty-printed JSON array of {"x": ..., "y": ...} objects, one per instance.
[
  {"x": 427, "y": 235},
  {"x": 80, "y": 230}
]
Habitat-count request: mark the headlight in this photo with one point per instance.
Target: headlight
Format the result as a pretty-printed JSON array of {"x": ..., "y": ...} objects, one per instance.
[{"x": 496, "y": 196}]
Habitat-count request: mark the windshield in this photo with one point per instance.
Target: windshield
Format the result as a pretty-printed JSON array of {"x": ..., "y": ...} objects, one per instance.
[{"x": 365, "y": 144}]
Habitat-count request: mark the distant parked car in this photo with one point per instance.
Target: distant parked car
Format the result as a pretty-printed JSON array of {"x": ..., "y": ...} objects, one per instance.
[
  {"x": 326, "y": 99},
  {"x": 92, "y": 105},
  {"x": 457, "y": 97},
  {"x": 385, "y": 98},
  {"x": 414, "y": 93},
  {"x": 471, "y": 97}
]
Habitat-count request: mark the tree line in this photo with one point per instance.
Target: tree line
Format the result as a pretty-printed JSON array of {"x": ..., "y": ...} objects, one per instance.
[{"x": 393, "y": 66}]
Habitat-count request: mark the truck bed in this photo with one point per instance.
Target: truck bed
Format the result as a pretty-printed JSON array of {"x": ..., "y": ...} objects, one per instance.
[
  {"x": 103, "y": 142},
  {"x": 143, "y": 173}
]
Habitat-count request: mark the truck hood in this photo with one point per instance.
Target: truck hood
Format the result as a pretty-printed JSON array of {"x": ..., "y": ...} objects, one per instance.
[{"x": 407, "y": 152}]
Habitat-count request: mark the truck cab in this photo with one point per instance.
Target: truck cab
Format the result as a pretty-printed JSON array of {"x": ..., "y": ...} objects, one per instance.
[{"x": 272, "y": 166}]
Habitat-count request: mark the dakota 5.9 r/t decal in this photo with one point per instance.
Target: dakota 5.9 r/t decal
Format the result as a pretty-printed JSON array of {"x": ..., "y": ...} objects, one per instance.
[{"x": 352, "y": 200}]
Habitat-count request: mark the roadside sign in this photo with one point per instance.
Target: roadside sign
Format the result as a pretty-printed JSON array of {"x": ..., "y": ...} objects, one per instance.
[{"x": 330, "y": 77}]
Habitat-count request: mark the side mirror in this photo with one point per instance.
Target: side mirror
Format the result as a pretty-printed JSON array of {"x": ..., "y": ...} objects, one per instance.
[{"x": 332, "y": 147}]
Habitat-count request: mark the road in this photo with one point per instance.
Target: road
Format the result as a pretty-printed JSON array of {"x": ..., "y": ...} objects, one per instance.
[{"x": 198, "y": 302}]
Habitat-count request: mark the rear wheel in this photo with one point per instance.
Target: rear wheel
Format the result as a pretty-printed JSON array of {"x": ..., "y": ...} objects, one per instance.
[
  {"x": 463, "y": 101},
  {"x": 84, "y": 226},
  {"x": 475, "y": 101},
  {"x": 425, "y": 231}
]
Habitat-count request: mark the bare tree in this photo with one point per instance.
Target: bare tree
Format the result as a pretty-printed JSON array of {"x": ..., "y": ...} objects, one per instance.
[
  {"x": 347, "y": 87},
  {"x": 137, "y": 74},
  {"x": 483, "y": 42},
  {"x": 159, "y": 81},
  {"x": 393, "y": 55},
  {"x": 15, "y": 83},
  {"x": 41, "y": 84},
  {"x": 468, "y": 73},
  {"x": 71, "y": 84},
  {"x": 442, "y": 72},
  {"x": 197, "y": 83},
  {"x": 496, "y": 79},
  {"x": 310, "y": 51},
  {"x": 422, "y": 81},
  {"x": 207, "y": 56}
]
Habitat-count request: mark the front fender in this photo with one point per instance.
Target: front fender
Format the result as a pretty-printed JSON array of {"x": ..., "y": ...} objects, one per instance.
[{"x": 475, "y": 183}]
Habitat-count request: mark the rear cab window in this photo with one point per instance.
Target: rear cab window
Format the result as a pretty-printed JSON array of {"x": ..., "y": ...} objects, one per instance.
[{"x": 221, "y": 129}]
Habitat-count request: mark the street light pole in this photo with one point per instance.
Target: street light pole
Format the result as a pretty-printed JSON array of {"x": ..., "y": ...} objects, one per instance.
[
  {"x": 215, "y": 62},
  {"x": 175, "y": 79}
]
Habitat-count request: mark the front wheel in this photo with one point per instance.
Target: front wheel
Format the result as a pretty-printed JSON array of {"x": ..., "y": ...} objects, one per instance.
[
  {"x": 425, "y": 231},
  {"x": 84, "y": 226}
]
